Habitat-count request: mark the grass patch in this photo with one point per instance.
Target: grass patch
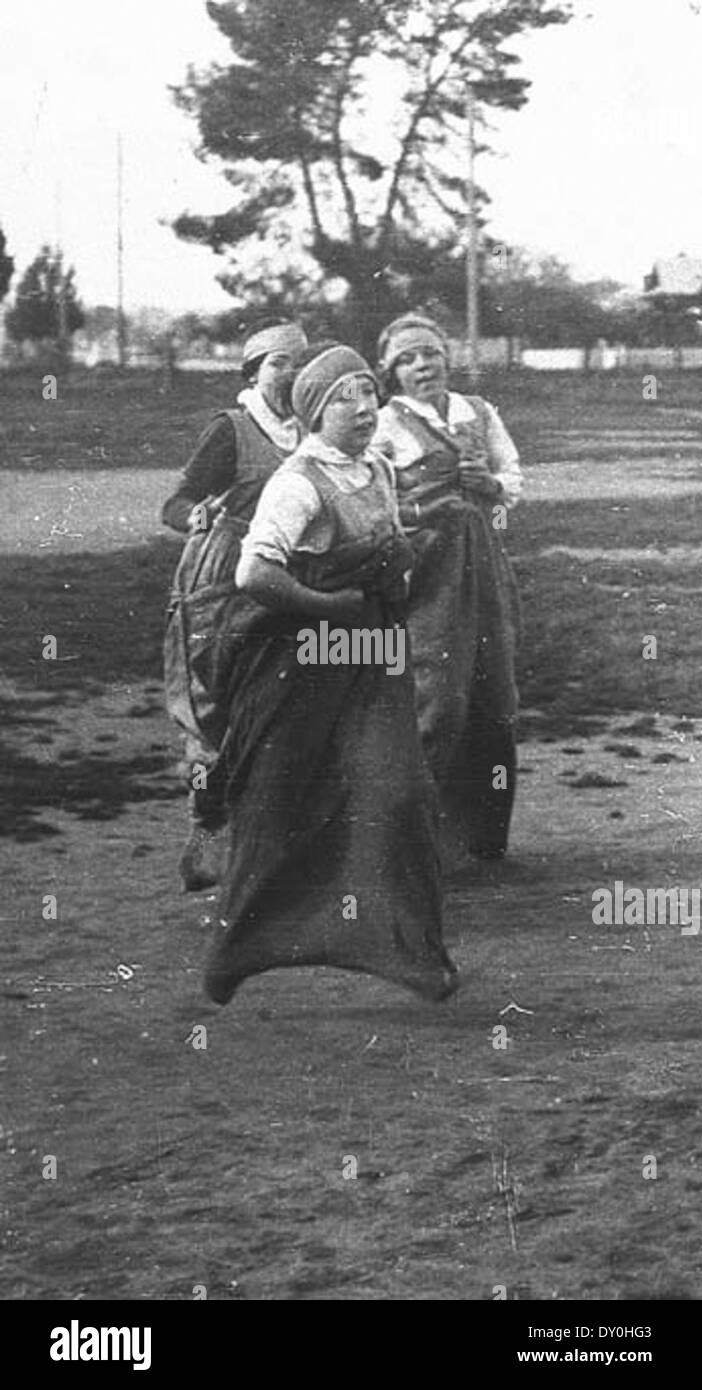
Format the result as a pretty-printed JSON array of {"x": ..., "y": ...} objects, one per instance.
[{"x": 597, "y": 574}]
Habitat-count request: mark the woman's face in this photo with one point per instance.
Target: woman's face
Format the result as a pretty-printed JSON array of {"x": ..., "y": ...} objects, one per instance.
[
  {"x": 274, "y": 380},
  {"x": 350, "y": 417},
  {"x": 422, "y": 373}
]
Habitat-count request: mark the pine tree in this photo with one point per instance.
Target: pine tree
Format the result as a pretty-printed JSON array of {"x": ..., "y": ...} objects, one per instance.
[
  {"x": 289, "y": 118},
  {"x": 46, "y": 305}
]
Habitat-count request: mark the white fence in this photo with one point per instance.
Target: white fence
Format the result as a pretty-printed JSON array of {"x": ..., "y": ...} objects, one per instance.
[
  {"x": 495, "y": 352},
  {"x": 553, "y": 359},
  {"x": 662, "y": 357}
]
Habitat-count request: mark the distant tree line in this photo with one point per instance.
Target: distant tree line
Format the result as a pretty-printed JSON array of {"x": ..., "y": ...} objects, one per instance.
[{"x": 531, "y": 300}]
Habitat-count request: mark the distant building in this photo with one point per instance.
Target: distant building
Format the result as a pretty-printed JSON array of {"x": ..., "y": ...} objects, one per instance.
[
  {"x": 95, "y": 349},
  {"x": 678, "y": 279}
]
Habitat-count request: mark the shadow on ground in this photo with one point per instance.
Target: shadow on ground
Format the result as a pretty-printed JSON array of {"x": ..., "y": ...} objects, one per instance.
[
  {"x": 581, "y": 658},
  {"x": 85, "y": 733}
]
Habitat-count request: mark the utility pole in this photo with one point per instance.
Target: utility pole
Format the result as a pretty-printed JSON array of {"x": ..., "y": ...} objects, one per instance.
[
  {"x": 121, "y": 325},
  {"x": 63, "y": 335},
  {"x": 472, "y": 326},
  {"x": 62, "y": 342}
]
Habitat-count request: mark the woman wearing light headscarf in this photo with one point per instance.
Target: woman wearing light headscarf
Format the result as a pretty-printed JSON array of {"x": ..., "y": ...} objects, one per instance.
[
  {"x": 214, "y": 504},
  {"x": 457, "y": 474},
  {"x": 332, "y": 855}
]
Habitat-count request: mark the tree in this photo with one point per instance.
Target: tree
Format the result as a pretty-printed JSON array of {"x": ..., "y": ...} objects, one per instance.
[
  {"x": 7, "y": 266},
  {"x": 192, "y": 328},
  {"x": 523, "y": 296},
  {"x": 99, "y": 320},
  {"x": 46, "y": 305},
  {"x": 308, "y": 155},
  {"x": 536, "y": 300}
]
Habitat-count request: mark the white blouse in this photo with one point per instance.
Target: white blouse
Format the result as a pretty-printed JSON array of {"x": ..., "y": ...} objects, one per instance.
[
  {"x": 290, "y": 514},
  {"x": 503, "y": 454}
]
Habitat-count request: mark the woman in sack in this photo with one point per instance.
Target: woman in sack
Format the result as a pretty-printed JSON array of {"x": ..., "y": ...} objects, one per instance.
[
  {"x": 457, "y": 474},
  {"x": 332, "y": 852},
  {"x": 213, "y": 504}
]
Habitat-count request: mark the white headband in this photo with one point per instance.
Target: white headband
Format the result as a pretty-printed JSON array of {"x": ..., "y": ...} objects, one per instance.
[{"x": 282, "y": 337}]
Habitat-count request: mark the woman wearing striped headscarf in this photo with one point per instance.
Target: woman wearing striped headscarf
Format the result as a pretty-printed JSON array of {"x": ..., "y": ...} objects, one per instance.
[
  {"x": 213, "y": 504},
  {"x": 457, "y": 473}
]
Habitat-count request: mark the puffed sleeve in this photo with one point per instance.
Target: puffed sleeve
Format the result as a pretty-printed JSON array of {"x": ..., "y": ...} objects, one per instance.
[
  {"x": 385, "y": 460},
  {"x": 504, "y": 457},
  {"x": 288, "y": 517}
]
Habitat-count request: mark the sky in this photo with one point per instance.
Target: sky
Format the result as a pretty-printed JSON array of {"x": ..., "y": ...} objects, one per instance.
[{"x": 603, "y": 167}]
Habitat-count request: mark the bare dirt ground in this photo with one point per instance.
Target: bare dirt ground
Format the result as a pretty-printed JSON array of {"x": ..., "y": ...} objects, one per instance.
[{"x": 475, "y": 1167}]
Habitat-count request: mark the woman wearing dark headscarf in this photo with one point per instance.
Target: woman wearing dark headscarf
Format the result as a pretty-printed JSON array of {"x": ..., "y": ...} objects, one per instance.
[
  {"x": 457, "y": 472},
  {"x": 214, "y": 503},
  {"x": 332, "y": 857}
]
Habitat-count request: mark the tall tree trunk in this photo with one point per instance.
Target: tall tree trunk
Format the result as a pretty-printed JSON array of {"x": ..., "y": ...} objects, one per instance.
[{"x": 369, "y": 312}]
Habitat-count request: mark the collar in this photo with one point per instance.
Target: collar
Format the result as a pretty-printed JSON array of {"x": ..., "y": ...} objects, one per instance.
[
  {"x": 314, "y": 447},
  {"x": 327, "y": 453},
  {"x": 460, "y": 411},
  {"x": 284, "y": 434}
]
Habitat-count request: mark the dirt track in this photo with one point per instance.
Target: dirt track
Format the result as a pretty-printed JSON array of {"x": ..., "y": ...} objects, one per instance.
[
  {"x": 179, "y": 1166},
  {"x": 224, "y": 1166}
]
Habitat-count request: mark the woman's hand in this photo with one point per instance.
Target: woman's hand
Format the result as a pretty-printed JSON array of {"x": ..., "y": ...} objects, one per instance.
[
  {"x": 427, "y": 515},
  {"x": 272, "y": 585},
  {"x": 477, "y": 477}
]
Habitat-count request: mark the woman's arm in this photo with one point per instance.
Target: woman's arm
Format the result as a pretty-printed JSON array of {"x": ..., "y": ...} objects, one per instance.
[
  {"x": 273, "y": 586},
  {"x": 210, "y": 471},
  {"x": 504, "y": 457},
  {"x": 289, "y": 514}
]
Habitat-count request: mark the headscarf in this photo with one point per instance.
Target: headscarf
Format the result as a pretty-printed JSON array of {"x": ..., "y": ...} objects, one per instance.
[
  {"x": 408, "y": 334},
  {"x": 280, "y": 337},
  {"x": 316, "y": 381}
]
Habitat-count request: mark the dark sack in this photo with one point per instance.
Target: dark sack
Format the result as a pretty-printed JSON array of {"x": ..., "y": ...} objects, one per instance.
[{"x": 208, "y": 616}]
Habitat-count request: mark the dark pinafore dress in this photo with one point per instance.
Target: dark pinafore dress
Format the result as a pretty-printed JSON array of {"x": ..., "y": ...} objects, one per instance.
[
  {"x": 332, "y": 856},
  {"x": 463, "y": 618}
]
